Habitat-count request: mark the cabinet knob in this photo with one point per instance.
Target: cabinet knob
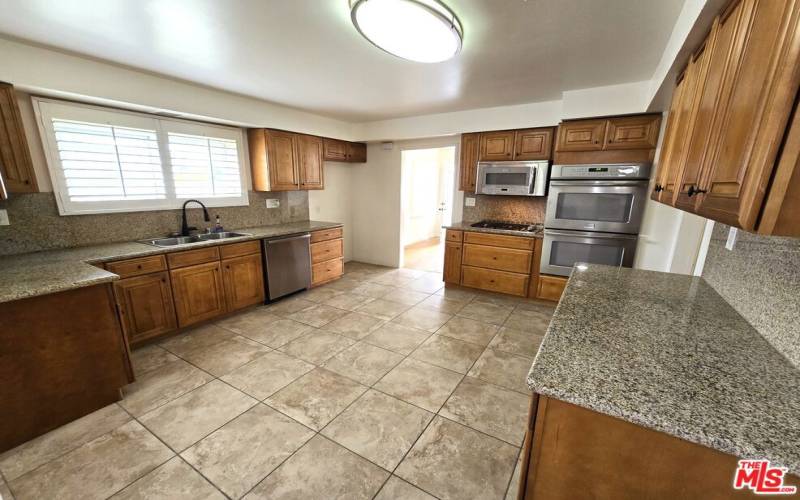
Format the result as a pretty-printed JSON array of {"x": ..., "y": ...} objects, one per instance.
[
  {"x": 693, "y": 191},
  {"x": 658, "y": 188},
  {"x": 596, "y": 141},
  {"x": 138, "y": 266}
]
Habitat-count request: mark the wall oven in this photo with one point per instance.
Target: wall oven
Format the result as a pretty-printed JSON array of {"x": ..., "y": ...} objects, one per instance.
[
  {"x": 593, "y": 215},
  {"x": 515, "y": 178}
]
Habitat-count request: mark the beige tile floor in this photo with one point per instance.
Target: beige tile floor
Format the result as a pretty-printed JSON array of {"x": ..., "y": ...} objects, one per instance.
[{"x": 380, "y": 385}]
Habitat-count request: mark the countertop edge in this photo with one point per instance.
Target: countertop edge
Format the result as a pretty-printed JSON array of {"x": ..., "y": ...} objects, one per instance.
[{"x": 465, "y": 226}]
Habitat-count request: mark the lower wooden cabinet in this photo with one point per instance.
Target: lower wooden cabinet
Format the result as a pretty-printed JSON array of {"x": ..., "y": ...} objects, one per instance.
[
  {"x": 452, "y": 263},
  {"x": 145, "y": 306},
  {"x": 327, "y": 255},
  {"x": 199, "y": 293},
  {"x": 550, "y": 287},
  {"x": 243, "y": 278},
  {"x": 495, "y": 281}
]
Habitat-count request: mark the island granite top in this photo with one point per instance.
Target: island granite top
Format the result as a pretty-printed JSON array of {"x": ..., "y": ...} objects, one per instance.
[
  {"x": 467, "y": 226},
  {"x": 39, "y": 273},
  {"x": 667, "y": 352}
]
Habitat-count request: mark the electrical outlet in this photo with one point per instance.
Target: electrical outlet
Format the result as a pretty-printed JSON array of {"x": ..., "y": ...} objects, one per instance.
[
  {"x": 470, "y": 202},
  {"x": 4, "y": 218},
  {"x": 732, "y": 235},
  {"x": 273, "y": 203}
]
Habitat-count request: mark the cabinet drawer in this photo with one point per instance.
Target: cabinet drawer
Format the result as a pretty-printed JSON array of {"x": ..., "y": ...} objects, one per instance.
[
  {"x": 502, "y": 259},
  {"x": 326, "y": 234},
  {"x": 239, "y": 249},
  {"x": 326, "y": 250},
  {"x": 454, "y": 236},
  {"x": 192, "y": 257},
  {"x": 551, "y": 287},
  {"x": 137, "y": 267},
  {"x": 499, "y": 240},
  {"x": 326, "y": 271},
  {"x": 495, "y": 281}
]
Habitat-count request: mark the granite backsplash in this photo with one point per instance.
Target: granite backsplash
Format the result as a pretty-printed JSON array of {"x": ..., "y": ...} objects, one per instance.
[
  {"x": 36, "y": 224},
  {"x": 760, "y": 278},
  {"x": 505, "y": 208}
]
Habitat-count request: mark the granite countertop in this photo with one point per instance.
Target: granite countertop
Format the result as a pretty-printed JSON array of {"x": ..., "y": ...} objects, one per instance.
[
  {"x": 40, "y": 273},
  {"x": 467, "y": 226},
  {"x": 666, "y": 351}
]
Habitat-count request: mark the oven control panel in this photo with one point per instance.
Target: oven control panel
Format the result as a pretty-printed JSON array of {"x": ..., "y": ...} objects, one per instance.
[{"x": 609, "y": 171}]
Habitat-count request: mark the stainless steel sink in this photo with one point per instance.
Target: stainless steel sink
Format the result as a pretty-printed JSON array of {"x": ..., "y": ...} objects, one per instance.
[{"x": 187, "y": 240}]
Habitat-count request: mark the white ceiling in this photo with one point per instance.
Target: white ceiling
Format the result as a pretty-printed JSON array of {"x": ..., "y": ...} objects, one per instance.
[{"x": 306, "y": 53}]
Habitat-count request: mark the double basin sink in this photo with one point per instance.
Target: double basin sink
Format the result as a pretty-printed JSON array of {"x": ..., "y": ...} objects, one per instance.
[{"x": 187, "y": 240}]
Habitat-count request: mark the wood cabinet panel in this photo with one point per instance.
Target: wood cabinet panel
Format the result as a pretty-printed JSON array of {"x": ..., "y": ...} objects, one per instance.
[
  {"x": 666, "y": 167},
  {"x": 136, "y": 267},
  {"x": 243, "y": 279},
  {"x": 199, "y": 293},
  {"x": 239, "y": 249},
  {"x": 581, "y": 135},
  {"x": 326, "y": 271},
  {"x": 533, "y": 144},
  {"x": 533, "y": 284},
  {"x": 452, "y": 263},
  {"x": 454, "y": 236},
  {"x": 632, "y": 132},
  {"x": 191, "y": 257},
  {"x": 145, "y": 306},
  {"x": 498, "y": 240},
  {"x": 327, "y": 250},
  {"x": 551, "y": 287},
  {"x": 334, "y": 150},
  {"x": 16, "y": 167},
  {"x": 497, "y": 146},
  {"x": 503, "y": 259},
  {"x": 309, "y": 159},
  {"x": 356, "y": 152},
  {"x": 326, "y": 234},
  {"x": 470, "y": 152},
  {"x": 495, "y": 281},
  {"x": 284, "y": 174}
]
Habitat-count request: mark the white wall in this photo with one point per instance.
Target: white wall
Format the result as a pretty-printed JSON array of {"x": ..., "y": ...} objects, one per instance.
[
  {"x": 608, "y": 100},
  {"x": 334, "y": 203}
]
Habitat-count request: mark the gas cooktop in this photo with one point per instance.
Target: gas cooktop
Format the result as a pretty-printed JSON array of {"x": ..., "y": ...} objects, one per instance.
[{"x": 507, "y": 226}]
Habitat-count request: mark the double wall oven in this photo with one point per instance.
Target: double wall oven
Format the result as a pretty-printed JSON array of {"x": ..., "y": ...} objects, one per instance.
[{"x": 593, "y": 215}]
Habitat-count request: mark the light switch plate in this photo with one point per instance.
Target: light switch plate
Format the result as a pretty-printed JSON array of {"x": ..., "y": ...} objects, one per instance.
[
  {"x": 4, "y": 218},
  {"x": 272, "y": 203},
  {"x": 470, "y": 202},
  {"x": 733, "y": 233}
]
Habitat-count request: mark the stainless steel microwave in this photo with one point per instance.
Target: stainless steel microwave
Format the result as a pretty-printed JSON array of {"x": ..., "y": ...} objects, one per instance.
[{"x": 512, "y": 178}]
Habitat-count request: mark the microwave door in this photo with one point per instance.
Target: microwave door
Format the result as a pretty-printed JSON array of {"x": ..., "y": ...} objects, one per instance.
[{"x": 563, "y": 249}]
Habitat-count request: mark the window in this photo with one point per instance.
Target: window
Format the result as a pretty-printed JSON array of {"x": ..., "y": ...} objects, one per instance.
[{"x": 103, "y": 160}]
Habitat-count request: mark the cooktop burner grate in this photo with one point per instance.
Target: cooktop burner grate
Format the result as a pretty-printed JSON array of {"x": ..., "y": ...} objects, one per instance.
[{"x": 508, "y": 226}]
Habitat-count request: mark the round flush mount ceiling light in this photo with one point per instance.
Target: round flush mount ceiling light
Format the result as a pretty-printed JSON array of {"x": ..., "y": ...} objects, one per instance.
[{"x": 418, "y": 30}]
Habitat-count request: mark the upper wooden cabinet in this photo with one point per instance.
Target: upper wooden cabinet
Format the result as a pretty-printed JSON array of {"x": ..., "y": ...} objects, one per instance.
[
  {"x": 285, "y": 161},
  {"x": 616, "y": 133},
  {"x": 470, "y": 151},
  {"x": 16, "y": 168},
  {"x": 497, "y": 146},
  {"x": 309, "y": 159},
  {"x": 533, "y": 144},
  {"x": 343, "y": 151},
  {"x": 581, "y": 135},
  {"x": 738, "y": 164}
]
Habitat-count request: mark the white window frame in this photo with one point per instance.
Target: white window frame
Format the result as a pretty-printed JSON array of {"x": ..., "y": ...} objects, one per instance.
[{"x": 47, "y": 109}]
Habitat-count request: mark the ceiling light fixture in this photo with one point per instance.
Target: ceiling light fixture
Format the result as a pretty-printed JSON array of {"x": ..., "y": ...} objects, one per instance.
[{"x": 418, "y": 30}]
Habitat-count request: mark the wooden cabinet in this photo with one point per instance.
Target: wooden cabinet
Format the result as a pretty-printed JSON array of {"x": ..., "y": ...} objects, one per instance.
[
  {"x": 16, "y": 168},
  {"x": 632, "y": 132},
  {"x": 343, "y": 151},
  {"x": 533, "y": 144},
  {"x": 581, "y": 135},
  {"x": 470, "y": 152},
  {"x": 495, "y": 281},
  {"x": 550, "y": 287},
  {"x": 452, "y": 263},
  {"x": 356, "y": 152},
  {"x": 309, "y": 157},
  {"x": 327, "y": 255},
  {"x": 199, "y": 292},
  {"x": 282, "y": 160},
  {"x": 740, "y": 150},
  {"x": 497, "y": 146},
  {"x": 243, "y": 278},
  {"x": 145, "y": 306}
]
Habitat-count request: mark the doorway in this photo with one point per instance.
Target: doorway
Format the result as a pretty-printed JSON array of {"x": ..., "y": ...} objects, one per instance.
[{"x": 428, "y": 177}]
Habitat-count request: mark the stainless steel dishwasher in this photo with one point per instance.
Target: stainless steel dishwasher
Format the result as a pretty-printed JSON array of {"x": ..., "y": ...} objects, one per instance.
[{"x": 287, "y": 263}]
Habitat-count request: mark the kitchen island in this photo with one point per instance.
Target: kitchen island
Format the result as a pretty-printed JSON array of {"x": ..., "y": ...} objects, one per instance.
[{"x": 664, "y": 384}]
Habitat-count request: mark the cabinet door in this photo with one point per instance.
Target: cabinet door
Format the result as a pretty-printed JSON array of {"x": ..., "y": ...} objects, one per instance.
[
  {"x": 533, "y": 144},
  {"x": 632, "y": 132},
  {"x": 752, "y": 122},
  {"x": 470, "y": 150},
  {"x": 199, "y": 293},
  {"x": 719, "y": 51},
  {"x": 334, "y": 150},
  {"x": 665, "y": 162},
  {"x": 583, "y": 135},
  {"x": 16, "y": 169},
  {"x": 309, "y": 156},
  {"x": 356, "y": 152},
  {"x": 452, "y": 263},
  {"x": 244, "y": 281},
  {"x": 145, "y": 306},
  {"x": 497, "y": 146},
  {"x": 282, "y": 159}
]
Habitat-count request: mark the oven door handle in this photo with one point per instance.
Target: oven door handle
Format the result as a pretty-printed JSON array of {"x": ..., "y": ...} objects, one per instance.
[
  {"x": 586, "y": 234},
  {"x": 612, "y": 183}
]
